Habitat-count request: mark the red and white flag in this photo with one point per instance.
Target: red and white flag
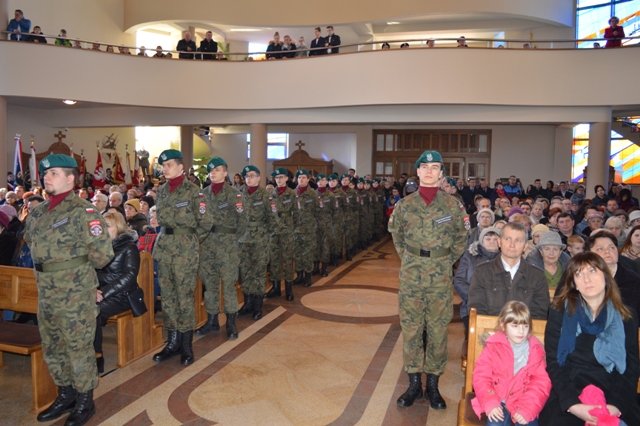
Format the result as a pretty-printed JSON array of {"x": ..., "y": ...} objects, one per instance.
[
  {"x": 127, "y": 172},
  {"x": 99, "y": 177},
  {"x": 33, "y": 168},
  {"x": 118, "y": 173}
]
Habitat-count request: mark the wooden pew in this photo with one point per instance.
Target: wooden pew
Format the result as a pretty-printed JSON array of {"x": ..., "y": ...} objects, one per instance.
[
  {"x": 480, "y": 327},
  {"x": 18, "y": 292},
  {"x": 139, "y": 336}
]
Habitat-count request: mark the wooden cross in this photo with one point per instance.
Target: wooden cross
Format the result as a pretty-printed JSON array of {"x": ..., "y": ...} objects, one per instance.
[
  {"x": 300, "y": 144},
  {"x": 60, "y": 136}
]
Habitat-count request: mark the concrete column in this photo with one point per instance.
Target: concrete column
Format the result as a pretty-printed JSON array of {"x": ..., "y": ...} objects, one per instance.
[
  {"x": 9, "y": 146},
  {"x": 259, "y": 150},
  {"x": 562, "y": 154},
  {"x": 599, "y": 152},
  {"x": 186, "y": 146}
]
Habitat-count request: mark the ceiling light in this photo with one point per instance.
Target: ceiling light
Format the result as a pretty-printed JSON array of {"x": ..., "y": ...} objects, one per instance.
[
  {"x": 69, "y": 102},
  {"x": 245, "y": 30},
  {"x": 393, "y": 23}
]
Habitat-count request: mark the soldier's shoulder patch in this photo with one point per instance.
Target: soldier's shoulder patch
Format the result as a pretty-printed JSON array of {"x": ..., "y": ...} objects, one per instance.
[
  {"x": 90, "y": 210},
  {"x": 467, "y": 222},
  {"x": 95, "y": 228},
  {"x": 200, "y": 194}
]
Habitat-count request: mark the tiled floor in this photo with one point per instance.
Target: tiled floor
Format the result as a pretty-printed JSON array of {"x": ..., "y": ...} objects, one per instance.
[{"x": 332, "y": 356}]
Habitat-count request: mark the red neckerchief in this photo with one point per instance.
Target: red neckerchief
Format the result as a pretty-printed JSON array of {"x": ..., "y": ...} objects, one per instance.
[
  {"x": 54, "y": 200},
  {"x": 217, "y": 187},
  {"x": 175, "y": 182},
  {"x": 301, "y": 189},
  {"x": 428, "y": 194},
  {"x": 333, "y": 189},
  {"x": 345, "y": 187},
  {"x": 281, "y": 190},
  {"x": 322, "y": 190},
  {"x": 252, "y": 189}
]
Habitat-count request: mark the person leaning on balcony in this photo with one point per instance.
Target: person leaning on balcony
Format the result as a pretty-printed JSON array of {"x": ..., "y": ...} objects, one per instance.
[
  {"x": 208, "y": 47},
  {"x": 186, "y": 46},
  {"x": 332, "y": 41},
  {"x": 614, "y": 34},
  {"x": 18, "y": 26},
  {"x": 36, "y": 36},
  {"x": 62, "y": 39},
  {"x": 317, "y": 42}
]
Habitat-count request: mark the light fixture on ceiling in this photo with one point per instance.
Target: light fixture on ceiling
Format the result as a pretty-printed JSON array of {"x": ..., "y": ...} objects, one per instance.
[
  {"x": 393, "y": 23},
  {"x": 245, "y": 30},
  {"x": 69, "y": 102}
]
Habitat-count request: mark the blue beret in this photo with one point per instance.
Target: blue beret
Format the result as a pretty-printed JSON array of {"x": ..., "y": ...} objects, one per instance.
[
  {"x": 215, "y": 162},
  {"x": 169, "y": 154},
  {"x": 57, "y": 160}
]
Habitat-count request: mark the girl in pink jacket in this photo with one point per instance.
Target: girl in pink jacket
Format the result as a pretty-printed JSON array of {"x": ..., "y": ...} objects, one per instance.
[{"x": 510, "y": 379}]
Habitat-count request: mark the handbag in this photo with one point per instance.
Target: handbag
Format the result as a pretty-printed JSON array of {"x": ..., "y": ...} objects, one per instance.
[{"x": 136, "y": 301}]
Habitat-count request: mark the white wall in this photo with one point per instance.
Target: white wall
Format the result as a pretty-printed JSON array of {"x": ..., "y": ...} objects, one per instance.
[{"x": 327, "y": 146}]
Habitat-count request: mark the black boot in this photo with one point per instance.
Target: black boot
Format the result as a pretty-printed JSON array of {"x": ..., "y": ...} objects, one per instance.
[
  {"x": 299, "y": 277},
  {"x": 84, "y": 410},
  {"x": 433, "y": 394},
  {"x": 171, "y": 348},
  {"x": 64, "y": 402},
  {"x": 288, "y": 289},
  {"x": 316, "y": 268},
  {"x": 211, "y": 325},
  {"x": 334, "y": 260},
  {"x": 413, "y": 391},
  {"x": 100, "y": 364},
  {"x": 349, "y": 254},
  {"x": 323, "y": 270},
  {"x": 257, "y": 307},
  {"x": 275, "y": 290},
  {"x": 307, "y": 279},
  {"x": 186, "y": 358},
  {"x": 232, "y": 331},
  {"x": 247, "y": 307}
]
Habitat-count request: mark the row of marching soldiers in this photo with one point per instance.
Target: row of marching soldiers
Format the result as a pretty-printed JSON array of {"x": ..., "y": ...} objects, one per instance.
[{"x": 224, "y": 235}]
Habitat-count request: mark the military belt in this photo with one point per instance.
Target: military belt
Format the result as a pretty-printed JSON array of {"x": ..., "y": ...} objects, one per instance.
[
  {"x": 218, "y": 229},
  {"x": 178, "y": 231},
  {"x": 428, "y": 253},
  {"x": 61, "y": 266}
]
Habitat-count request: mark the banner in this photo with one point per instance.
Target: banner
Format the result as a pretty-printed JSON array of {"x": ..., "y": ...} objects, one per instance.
[
  {"x": 33, "y": 168},
  {"x": 99, "y": 175},
  {"x": 135, "y": 178},
  {"x": 127, "y": 172},
  {"x": 18, "y": 168},
  {"x": 118, "y": 173}
]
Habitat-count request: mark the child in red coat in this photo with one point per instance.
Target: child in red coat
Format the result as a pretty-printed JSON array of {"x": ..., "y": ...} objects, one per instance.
[{"x": 510, "y": 379}]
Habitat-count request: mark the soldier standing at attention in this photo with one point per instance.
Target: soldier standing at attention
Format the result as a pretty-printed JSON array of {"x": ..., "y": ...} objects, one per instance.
[
  {"x": 219, "y": 249},
  {"x": 304, "y": 228},
  {"x": 69, "y": 240},
  {"x": 282, "y": 235},
  {"x": 337, "y": 243},
  {"x": 326, "y": 223},
  {"x": 254, "y": 242},
  {"x": 429, "y": 229},
  {"x": 179, "y": 206},
  {"x": 351, "y": 218}
]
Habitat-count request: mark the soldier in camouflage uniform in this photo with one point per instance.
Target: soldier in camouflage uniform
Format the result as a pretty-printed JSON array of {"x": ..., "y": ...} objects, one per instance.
[
  {"x": 351, "y": 217},
  {"x": 378, "y": 209},
  {"x": 179, "y": 205},
  {"x": 337, "y": 243},
  {"x": 68, "y": 241},
  {"x": 219, "y": 249},
  {"x": 429, "y": 229},
  {"x": 254, "y": 242},
  {"x": 283, "y": 204},
  {"x": 304, "y": 228},
  {"x": 326, "y": 223}
]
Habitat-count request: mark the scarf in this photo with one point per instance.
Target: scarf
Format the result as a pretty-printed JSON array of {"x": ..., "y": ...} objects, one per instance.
[
  {"x": 428, "y": 194},
  {"x": 609, "y": 332},
  {"x": 175, "y": 183},
  {"x": 217, "y": 187},
  {"x": 281, "y": 190},
  {"x": 54, "y": 200},
  {"x": 252, "y": 189},
  {"x": 322, "y": 190},
  {"x": 301, "y": 190}
]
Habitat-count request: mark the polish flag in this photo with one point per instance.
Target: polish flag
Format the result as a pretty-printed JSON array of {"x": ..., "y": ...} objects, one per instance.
[{"x": 99, "y": 177}]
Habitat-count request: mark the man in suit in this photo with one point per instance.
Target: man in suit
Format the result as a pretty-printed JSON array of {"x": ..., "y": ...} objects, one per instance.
[
  {"x": 332, "y": 41},
  {"x": 186, "y": 46},
  {"x": 208, "y": 47},
  {"x": 317, "y": 42}
]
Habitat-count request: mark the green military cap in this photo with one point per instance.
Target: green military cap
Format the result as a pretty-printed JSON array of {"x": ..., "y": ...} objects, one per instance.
[
  {"x": 250, "y": 168},
  {"x": 169, "y": 154},
  {"x": 360, "y": 180},
  {"x": 368, "y": 181},
  {"x": 451, "y": 181},
  {"x": 301, "y": 172},
  {"x": 215, "y": 162},
  {"x": 57, "y": 160},
  {"x": 429, "y": 157},
  {"x": 321, "y": 176},
  {"x": 345, "y": 175},
  {"x": 333, "y": 176},
  {"x": 280, "y": 171}
]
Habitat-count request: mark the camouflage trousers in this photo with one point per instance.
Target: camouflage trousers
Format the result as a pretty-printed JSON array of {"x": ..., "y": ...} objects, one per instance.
[
  {"x": 281, "y": 257},
  {"x": 425, "y": 302},
  {"x": 67, "y": 314},
  {"x": 337, "y": 239},
  {"x": 254, "y": 258},
  {"x": 305, "y": 250},
  {"x": 219, "y": 264},
  {"x": 324, "y": 243}
]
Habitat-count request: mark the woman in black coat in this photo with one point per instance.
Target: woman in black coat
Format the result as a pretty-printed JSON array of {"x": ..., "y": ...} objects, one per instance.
[{"x": 118, "y": 278}]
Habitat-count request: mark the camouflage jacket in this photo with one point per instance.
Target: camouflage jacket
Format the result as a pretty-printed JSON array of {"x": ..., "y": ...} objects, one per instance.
[
  {"x": 339, "y": 203},
  {"x": 326, "y": 207},
  {"x": 225, "y": 213},
  {"x": 306, "y": 210},
  {"x": 182, "y": 208},
  {"x": 285, "y": 205},
  {"x": 260, "y": 216}
]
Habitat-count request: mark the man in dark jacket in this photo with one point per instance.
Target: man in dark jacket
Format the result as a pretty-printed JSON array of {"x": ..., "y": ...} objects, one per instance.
[
  {"x": 186, "y": 47},
  {"x": 208, "y": 47},
  {"x": 509, "y": 277}
]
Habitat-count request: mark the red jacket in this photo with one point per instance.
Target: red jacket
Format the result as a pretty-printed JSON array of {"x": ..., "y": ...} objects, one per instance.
[{"x": 493, "y": 379}]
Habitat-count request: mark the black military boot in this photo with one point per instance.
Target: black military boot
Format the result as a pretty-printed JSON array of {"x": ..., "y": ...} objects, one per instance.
[
  {"x": 83, "y": 411},
  {"x": 64, "y": 402},
  {"x": 316, "y": 268},
  {"x": 323, "y": 270},
  {"x": 433, "y": 394},
  {"x": 172, "y": 347},
  {"x": 413, "y": 391},
  {"x": 307, "y": 279},
  {"x": 186, "y": 358},
  {"x": 232, "y": 331},
  {"x": 275, "y": 289},
  {"x": 299, "y": 278},
  {"x": 257, "y": 307},
  {"x": 212, "y": 324},
  {"x": 247, "y": 307},
  {"x": 288, "y": 289},
  {"x": 334, "y": 260},
  {"x": 349, "y": 254}
]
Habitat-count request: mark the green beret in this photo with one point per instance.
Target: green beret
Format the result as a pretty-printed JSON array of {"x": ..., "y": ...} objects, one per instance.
[
  {"x": 302, "y": 172},
  {"x": 333, "y": 176},
  {"x": 360, "y": 180},
  {"x": 429, "y": 157},
  {"x": 320, "y": 176},
  {"x": 345, "y": 175},
  {"x": 169, "y": 154},
  {"x": 215, "y": 162},
  {"x": 451, "y": 181},
  {"x": 280, "y": 171},
  {"x": 368, "y": 181},
  {"x": 250, "y": 168},
  {"x": 57, "y": 160}
]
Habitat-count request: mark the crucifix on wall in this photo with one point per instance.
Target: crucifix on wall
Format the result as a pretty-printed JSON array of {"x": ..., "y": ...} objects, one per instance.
[
  {"x": 300, "y": 144},
  {"x": 60, "y": 136}
]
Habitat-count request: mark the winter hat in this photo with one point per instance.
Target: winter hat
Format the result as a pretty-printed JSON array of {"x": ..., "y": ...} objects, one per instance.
[{"x": 491, "y": 213}]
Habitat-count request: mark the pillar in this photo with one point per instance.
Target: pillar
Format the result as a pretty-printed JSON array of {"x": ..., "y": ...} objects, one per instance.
[
  {"x": 598, "y": 160},
  {"x": 9, "y": 146},
  {"x": 186, "y": 146},
  {"x": 259, "y": 149}
]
